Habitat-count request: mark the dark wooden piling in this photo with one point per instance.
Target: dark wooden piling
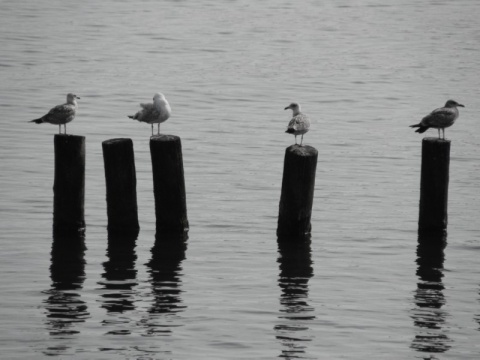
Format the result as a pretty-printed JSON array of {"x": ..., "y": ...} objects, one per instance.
[
  {"x": 121, "y": 182},
  {"x": 434, "y": 185},
  {"x": 168, "y": 184},
  {"x": 298, "y": 186},
  {"x": 69, "y": 184}
]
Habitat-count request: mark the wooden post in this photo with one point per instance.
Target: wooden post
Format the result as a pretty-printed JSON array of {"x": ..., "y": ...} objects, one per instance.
[
  {"x": 168, "y": 184},
  {"x": 69, "y": 183},
  {"x": 298, "y": 186},
  {"x": 121, "y": 184},
  {"x": 434, "y": 185}
]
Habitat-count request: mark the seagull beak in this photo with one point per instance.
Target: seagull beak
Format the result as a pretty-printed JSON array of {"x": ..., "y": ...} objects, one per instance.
[
  {"x": 461, "y": 105},
  {"x": 78, "y": 97},
  {"x": 288, "y": 107}
]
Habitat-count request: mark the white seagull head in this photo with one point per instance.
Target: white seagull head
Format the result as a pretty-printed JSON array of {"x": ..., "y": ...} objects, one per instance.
[{"x": 158, "y": 96}]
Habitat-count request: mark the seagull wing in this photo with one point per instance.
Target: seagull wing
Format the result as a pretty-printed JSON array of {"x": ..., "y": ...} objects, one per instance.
[
  {"x": 441, "y": 117},
  {"x": 146, "y": 106},
  {"x": 299, "y": 122},
  {"x": 60, "y": 114},
  {"x": 147, "y": 113}
]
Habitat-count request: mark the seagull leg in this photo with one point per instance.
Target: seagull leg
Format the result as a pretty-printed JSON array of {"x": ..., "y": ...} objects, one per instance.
[
  {"x": 295, "y": 139},
  {"x": 65, "y": 128},
  {"x": 438, "y": 133},
  {"x": 158, "y": 129},
  {"x": 59, "y": 128},
  {"x": 301, "y": 141},
  {"x": 443, "y": 131},
  {"x": 152, "y": 129}
]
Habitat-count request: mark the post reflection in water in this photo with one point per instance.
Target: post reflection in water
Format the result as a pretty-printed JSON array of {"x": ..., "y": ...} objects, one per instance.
[
  {"x": 428, "y": 316},
  {"x": 120, "y": 276},
  {"x": 165, "y": 278},
  {"x": 477, "y": 317},
  {"x": 67, "y": 271},
  {"x": 295, "y": 271}
]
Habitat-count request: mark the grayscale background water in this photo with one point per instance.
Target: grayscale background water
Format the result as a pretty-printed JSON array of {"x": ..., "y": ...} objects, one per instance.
[{"x": 363, "y": 70}]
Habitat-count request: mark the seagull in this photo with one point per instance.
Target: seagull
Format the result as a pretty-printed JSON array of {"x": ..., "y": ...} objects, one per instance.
[
  {"x": 440, "y": 118},
  {"x": 61, "y": 114},
  {"x": 155, "y": 113},
  {"x": 300, "y": 123}
]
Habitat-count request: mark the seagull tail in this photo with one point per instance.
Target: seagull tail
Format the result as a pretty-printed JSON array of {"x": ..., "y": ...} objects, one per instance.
[
  {"x": 290, "y": 131},
  {"x": 421, "y": 128},
  {"x": 131, "y": 116},
  {"x": 37, "y": 121}
]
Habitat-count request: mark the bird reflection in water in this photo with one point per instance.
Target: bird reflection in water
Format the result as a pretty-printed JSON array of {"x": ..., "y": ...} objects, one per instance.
[
  {"x": 295, "y": 271},
  {"x": 428, "y": 315},
  {"x": 165, "y": 278},
  {"x": 67, "y": 271}
]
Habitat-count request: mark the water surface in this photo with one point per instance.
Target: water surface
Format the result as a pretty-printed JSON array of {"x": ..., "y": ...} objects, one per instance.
[{"x": 362, "y": 289}]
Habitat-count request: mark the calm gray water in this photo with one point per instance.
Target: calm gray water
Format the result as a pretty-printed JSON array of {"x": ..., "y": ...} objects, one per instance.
[{"x": 362, "y": 70}]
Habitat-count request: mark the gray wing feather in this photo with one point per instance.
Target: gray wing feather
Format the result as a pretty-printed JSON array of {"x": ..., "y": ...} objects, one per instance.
[
  {"x": 147, "y": 114},
  {"x": 441, "y": 117},
  {"x": 60, "y": 114},
  {"x": 299, "y": 122}
]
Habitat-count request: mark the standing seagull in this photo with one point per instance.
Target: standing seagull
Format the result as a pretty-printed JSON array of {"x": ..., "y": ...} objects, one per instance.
[
  {"x": 440, "y": 118},
  {"x": 155, "y": 113},
  {"x": 61, "y": 114},
  {"x": 300, "y": 123}
]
